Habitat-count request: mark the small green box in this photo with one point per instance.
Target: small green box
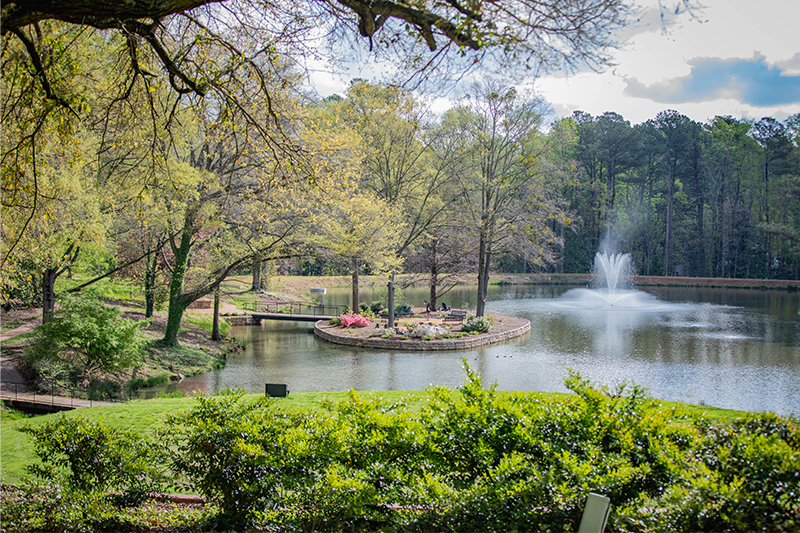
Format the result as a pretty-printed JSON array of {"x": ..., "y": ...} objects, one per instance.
[{"x": 277, "y": 390}]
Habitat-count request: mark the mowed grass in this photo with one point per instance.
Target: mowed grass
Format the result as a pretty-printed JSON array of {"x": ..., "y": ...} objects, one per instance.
[{"x": 146, "y": 416}]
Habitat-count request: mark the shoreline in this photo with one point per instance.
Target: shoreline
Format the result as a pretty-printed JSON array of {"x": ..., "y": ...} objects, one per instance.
[{"x": 299, "y": 286}]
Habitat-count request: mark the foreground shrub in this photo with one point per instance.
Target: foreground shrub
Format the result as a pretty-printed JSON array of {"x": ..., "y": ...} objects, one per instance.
[
  {"x": 473, "y": 459},
  {"x": 745, "y": 475},
  {"x": 86, "y": 455},
  {"x": 238, "y": 454},
  {"x": 51, "y": 508}
]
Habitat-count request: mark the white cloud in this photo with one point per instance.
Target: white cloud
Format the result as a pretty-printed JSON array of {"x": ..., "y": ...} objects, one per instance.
[{"x": 724, "y": 30}]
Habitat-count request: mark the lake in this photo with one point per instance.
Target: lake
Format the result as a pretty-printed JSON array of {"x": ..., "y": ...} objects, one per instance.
[{"x": 737, "y": 349}]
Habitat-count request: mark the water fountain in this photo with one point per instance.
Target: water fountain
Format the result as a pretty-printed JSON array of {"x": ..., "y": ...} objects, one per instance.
[
  {"x": 612, "y": 271},
  {"x": 611, "y": 287}
]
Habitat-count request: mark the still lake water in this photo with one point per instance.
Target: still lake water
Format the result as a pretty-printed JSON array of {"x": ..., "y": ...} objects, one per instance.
[{"x": 737, "y": 349}]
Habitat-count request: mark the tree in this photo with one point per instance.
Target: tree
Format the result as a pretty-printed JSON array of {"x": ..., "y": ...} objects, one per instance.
[
  {"x": 606, "y": 151},
  {"x": 500, "y": 170},
  {"x": 539, "y": 34},
  {"x": 206, "y": 51},
  {"x": 205, "y": 48},
  {"x": 399, "y": 167},
  {"x": 672, "y": 129},
  {"x": 729, "y": 163},
  {"x": 771, "y": 135},
  {"x": 361, "y": 229},
  {"x": 446, "y": 255}
]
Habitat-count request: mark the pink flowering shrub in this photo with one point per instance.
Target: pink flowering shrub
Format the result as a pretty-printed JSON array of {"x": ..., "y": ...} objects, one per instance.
[{"x": 350, "y": 320}]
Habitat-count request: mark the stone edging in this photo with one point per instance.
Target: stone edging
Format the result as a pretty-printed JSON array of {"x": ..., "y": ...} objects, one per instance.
[{"x": 462, "y": 343}]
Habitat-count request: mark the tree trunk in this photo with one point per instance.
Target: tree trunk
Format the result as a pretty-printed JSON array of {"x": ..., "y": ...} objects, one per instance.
[
  {"x": 174, "y": 318},
  {"x": 356, "y": 308},
  {"x": 177, "y": 301},
  {"x": 215, "y": 336},
  {"x": 701, "y": 241},
  {"x": 484, "y": 259},
  {"x": 391, "y": 301},
  {"x": 434, "y": 270},
  {"x": 670, "y": 198},
  {"x": 49, "y": 277},
  {"x": 434, "y": 281},
  {"x": 150, "y": 285},
  {"x": 48, "y": 293},
  {"x": 258, "y": 278}
]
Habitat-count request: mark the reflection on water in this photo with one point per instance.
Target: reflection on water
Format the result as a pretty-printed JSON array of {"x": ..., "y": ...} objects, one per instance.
[{"x": 734, "y": 349}]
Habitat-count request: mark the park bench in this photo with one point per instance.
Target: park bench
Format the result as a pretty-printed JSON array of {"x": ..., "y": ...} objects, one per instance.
[
  {"x": 455, "y": 315},
  {"x": 399, "y": 312}
]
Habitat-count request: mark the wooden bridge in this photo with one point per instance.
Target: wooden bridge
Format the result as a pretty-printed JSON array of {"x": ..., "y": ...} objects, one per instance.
[
  {"x": 16, "y": 394},
  {"x": 295, "y": 311}
]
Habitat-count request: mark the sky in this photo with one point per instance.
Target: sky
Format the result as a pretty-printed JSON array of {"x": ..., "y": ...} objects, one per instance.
[
  {"x": 729, "y": 57},
  {"x": 732, "y": 57}
]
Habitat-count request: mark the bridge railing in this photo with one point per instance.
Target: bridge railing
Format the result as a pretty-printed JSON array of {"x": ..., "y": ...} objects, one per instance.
[
  {"x": 297, "y": 308},
  {"x": 68, "y": 396},
  {"x": 65, "y": 397}
]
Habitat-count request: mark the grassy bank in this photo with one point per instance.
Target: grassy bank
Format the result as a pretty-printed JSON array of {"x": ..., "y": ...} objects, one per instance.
[
  {"x": 147, "y": 416},
  {"x": 298, "y": 286}
]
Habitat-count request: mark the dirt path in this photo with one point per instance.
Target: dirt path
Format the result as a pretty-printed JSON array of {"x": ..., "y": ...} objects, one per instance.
[
  {"x": 27, "y": 327},
  {"x": 11, "y": 380}
]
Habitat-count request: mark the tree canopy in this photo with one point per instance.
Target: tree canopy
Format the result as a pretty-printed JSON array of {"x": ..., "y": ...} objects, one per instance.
[{"x": 537, "y": 33}]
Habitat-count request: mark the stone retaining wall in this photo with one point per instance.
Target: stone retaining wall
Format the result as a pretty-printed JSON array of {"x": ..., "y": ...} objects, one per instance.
[
  {"x": 463, "y": 343},
  {"x": 239, "y": 320}
]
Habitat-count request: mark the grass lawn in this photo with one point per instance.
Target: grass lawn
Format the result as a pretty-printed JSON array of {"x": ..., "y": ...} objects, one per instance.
[{"x": 145, "y": 416}]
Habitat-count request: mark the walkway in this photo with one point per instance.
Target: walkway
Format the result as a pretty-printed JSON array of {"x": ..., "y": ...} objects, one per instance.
[
  {"x": 9, "y": 375},
  {"x": 12, "y": 384}
]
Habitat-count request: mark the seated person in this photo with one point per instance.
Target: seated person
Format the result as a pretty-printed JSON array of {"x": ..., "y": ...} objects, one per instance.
[{"x": 444, "y": 307}]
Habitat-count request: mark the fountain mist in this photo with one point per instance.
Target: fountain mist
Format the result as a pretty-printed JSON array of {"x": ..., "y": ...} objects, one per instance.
[
  {"x": 612, "y": 287},
  {"x": 612, "y": 271}
]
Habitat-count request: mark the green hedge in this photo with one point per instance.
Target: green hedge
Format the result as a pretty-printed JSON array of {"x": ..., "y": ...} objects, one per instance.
[{"x": 467, "y": 460}]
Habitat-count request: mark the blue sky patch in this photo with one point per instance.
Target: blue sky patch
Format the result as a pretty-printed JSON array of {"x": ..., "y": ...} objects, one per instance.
[{"x": 750, "y": 81}]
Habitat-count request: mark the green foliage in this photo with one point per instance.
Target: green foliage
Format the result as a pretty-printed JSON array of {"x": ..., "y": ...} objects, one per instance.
[
  {"x": 87, "y": 336},
  {"x": 745, "y": 475},
  {"x": 89, "y": 456},
  {"x": 19, "y": 286},
  {"x": 231, "y": 451},
  {"x": 476, "y": 459},
  {"x": 7, "y": 414},
  {"x": 479, "y": 324},
  {"x": 366, "y": 311},
  {"x": 49, "y": 507},
  {"x": 152, "y": 381}
]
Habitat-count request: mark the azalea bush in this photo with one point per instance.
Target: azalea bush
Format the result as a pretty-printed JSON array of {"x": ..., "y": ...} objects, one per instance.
[
  {"x": 428, "y": 330},
  {"x": 479, "y": 324},
  {"x": 351, "y": 320}
]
